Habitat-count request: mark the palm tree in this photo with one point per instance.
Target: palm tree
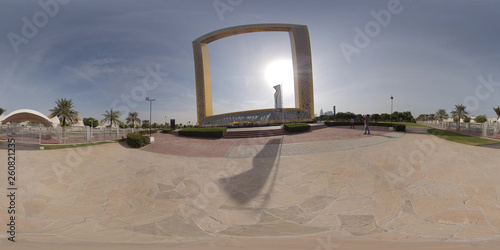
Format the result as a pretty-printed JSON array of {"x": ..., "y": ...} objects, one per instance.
[
  {"x": 112, "y": 117},
  {"x": 2, "y": 110},
  {"x": 133, "y": 118},
  {"x": 459, "y": 113},
  {"x": 65, "y": 112},
  {"x": 441, "y": 114},
  {"x": 497, "y": 110}
]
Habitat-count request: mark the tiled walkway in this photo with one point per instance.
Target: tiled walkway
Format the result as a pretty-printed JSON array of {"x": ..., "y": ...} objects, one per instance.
[
  {"x": 352, "y": 191},
  {"x": 305, "y": 148},
  {"x": 195, "y": 147}
]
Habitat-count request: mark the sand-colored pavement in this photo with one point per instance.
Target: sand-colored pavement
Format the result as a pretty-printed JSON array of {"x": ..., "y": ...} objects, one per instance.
[{"x": 386, "y": 190}]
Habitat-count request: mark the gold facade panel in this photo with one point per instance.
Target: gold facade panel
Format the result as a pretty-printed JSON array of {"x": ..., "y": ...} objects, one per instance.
[{"x": 301, "y": 57}]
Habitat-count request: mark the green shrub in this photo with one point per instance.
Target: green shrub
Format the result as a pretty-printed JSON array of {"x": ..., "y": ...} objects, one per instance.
[
  {"x": 166, "y": 130},
  {"x": 329, "y": 123},
  {"x": 397, "y": 127},
  {"x": 137, "y": 140},
  {"x": 481, "y": 119},
  {"x": 297, "y": 127},
  {"x": 146, "y": 132},
  {"x": 215, "y": 132},
  {"x": 335, "y": 123}
]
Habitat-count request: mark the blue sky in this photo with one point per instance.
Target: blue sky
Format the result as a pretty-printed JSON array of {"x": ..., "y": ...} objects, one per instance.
[{"x": 108, "y": 53}]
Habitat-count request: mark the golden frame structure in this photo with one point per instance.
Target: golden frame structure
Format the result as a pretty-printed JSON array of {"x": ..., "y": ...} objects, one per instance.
[{"x": 302, "y": 68}]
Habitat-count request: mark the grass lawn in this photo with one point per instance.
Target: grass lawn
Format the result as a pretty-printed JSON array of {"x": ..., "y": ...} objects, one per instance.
[
  {"x": 49, "y": 147},
  {"x": 460, "y": 138}
]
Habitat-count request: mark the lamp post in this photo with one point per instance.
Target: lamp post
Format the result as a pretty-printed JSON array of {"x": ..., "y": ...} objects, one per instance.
[
  {"x": 150, "y": 108},
  {"x": 91, "y": 125},
  {"x": 392, "y": 98}
]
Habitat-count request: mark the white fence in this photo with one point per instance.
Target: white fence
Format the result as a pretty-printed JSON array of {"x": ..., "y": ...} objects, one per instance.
[
  {"x": 46, "y": 135},
  {"x": 490, "y": 130}
]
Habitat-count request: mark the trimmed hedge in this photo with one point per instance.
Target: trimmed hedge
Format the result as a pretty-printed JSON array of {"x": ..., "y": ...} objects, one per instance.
[
  {"x": 215, "y": 132},
  {"x": 166, "y": 130},
  {"x": 297, "y": 127},
  {"x": 333, "y": 124},
  {"x": 137, "y": 140},
  {"x": 397, "y": 127},
  {"x": 146, "y": 132}
]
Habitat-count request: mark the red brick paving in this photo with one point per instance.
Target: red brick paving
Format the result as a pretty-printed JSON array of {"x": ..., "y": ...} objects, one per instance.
[{"x": 173, "y": 144}]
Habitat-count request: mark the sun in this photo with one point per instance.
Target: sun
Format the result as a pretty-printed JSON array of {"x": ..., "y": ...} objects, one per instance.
[{"x": 280, "y": 72}]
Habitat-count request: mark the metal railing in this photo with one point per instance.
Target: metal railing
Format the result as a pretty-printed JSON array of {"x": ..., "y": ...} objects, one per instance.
[
  {"x": 48, "y": 135},
  {"x": 490, "y": 130}
]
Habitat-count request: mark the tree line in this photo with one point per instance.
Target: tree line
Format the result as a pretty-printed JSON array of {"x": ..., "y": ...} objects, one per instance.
[
  {"x": 384, "y": 117},
  {"x": 458, "y": 114}
]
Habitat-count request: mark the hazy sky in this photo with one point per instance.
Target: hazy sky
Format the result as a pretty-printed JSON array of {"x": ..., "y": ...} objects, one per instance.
[{"x": 112, "y": 53}]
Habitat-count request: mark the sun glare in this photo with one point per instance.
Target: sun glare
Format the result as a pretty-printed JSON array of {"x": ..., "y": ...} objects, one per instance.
[{"x": 280, "y": 72}]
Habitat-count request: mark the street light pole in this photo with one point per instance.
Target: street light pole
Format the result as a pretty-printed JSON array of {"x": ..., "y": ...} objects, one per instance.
[
  {"x": 392, "y": 98},
  {"x": 91, "y": 125},
  {"x": 150, "y": 109}
]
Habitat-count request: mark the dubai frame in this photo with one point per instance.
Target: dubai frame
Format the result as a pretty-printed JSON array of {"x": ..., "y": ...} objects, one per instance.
[{"x": 302, "y": 68}]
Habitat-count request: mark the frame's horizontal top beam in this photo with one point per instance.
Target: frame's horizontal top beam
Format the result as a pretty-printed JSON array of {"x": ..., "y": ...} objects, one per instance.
[{"x": 236, "y": 30}]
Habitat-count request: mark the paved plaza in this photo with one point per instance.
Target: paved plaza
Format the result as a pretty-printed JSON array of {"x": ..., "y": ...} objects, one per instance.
[{"x": 332, "y": 188}]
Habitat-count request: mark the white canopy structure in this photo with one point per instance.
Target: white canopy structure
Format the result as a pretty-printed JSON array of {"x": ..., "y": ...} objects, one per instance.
[{"x": 22, "y": 115}]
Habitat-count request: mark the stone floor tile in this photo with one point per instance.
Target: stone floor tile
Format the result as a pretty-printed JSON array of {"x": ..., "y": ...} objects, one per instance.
[
  {"x": 492, "y": 214},
  {"x": 479, "y": 202},
  {"x": 359, "y": 225},
  {"x": 270, "y": 230},
  {"x": 33, "y": 206},
  {"x": 410, "y": 224},
  {"x": 460, "y": 217},
  {"x": 477, "y": 232}
]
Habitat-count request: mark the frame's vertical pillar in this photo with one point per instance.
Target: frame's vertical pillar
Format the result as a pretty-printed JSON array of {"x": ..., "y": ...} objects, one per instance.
[
  {"x": 302, "y": 68},
  {"x": 203, "y": 80}
]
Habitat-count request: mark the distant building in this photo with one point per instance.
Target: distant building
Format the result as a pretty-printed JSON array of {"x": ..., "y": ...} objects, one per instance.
[{"x": 78, "y": 124}]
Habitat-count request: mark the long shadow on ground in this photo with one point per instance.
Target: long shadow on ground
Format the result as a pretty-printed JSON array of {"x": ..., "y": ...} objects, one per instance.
[{"x": 243, "y": 187}]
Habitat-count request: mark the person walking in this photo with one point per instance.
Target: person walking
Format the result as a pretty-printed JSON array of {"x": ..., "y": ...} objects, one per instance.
[
  {"x": 352, "y": 122},
  {"x": 367, "y": 124}
]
